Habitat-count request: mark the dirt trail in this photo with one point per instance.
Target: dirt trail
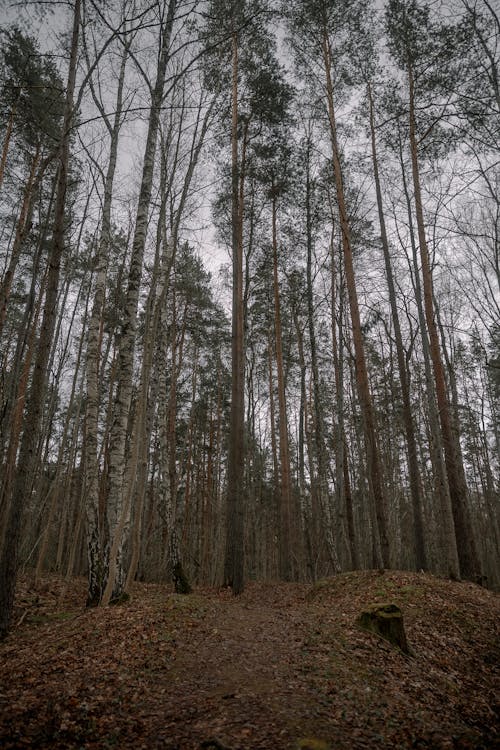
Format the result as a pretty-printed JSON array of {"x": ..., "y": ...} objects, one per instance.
[
  {"x": 247, "y": 684},
  {"x": 283, "y": 667}
]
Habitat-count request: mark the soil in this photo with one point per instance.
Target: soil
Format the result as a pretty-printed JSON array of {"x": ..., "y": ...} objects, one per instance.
[{"x": 281, "y": 666}]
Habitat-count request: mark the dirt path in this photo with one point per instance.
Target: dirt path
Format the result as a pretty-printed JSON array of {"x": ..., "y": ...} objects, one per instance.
[
  {"x": 246, "y": 687},
  {"x": 281, "y": 667}
]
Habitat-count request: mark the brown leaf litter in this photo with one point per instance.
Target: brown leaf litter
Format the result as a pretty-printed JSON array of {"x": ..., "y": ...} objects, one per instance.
[{"x": 282, "y": 666}]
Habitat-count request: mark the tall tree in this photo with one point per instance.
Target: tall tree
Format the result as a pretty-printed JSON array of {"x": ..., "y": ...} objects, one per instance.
[
  {"x": 425, "y": 52},
  {"x": 242, "y": 47},
  {"x": 318, "y": 29},
  {"x": 95, "y": 533},
  {"x": 272, "y": 166},
  {"x": 415, "y": 484},
  {"x": 32, "y": 100},
  {"x": 117, "y": 510},
  {"x": 38, "y": 391},
  {"x": 32, "y": 96}
]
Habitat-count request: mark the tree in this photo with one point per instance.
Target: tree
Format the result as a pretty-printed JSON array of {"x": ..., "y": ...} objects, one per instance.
[
  {"x": 34, "y": 407},
  {"x": 271, "y": 166},
  {"x": 417, "y": 44},
  {"x": 241, "y": 25},
  {"x": 32, "y": 100},
  {"x": 95, "y": 533},
  {"x": 118, "y": 511},
  {"x": 32, "y": 96},
  {"x": 306, "y": 435},
  {"x": 316, "y": 28},
  {"x": 415, "y": 487}
]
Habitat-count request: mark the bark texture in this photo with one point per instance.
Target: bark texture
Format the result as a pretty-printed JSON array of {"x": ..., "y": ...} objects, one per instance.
[
  {"x": 411, "y": 443},
  {"x": 374, "y": 468},
  {"x": 467, "y": 554},
  {"x": 234, "y": 556},
  {"x": 117, "y": 512},
  {"x": 36, "y": 399}
]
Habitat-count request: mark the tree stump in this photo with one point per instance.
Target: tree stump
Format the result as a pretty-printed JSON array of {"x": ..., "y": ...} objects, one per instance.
[{"x": 386, "y": 620}]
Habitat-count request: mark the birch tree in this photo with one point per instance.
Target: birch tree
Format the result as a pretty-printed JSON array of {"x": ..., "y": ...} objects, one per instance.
[
  {"x": 117, "y": 512},
  {"x": 95, "y": 534}
]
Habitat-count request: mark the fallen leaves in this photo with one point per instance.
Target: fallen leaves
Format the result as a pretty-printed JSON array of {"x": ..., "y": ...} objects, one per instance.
[{"x": 279, "y": 665}]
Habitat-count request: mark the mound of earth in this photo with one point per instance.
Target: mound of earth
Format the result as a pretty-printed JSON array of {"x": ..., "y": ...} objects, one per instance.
[{"x": 282, "y": 666}]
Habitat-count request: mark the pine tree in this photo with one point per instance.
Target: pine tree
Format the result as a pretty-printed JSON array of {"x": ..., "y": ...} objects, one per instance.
[{"x": 426, "y": 53}]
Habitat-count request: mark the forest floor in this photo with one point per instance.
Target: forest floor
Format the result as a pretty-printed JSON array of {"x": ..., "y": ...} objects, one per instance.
[{"x": 283, "y": 666}]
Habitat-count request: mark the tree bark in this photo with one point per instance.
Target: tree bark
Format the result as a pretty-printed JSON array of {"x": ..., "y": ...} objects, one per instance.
[
  {"x": 118, "y": 437},
  {"x": 234, "y": 556},
  {"x": 95, "y": 533},
  {"x": 374, "y": 468},
  {"x": 286, "y": 571},
  {"x": 414, "y": 474},
  {"x": 34, "y": 408},
  {"x": 469, "y": 564}
]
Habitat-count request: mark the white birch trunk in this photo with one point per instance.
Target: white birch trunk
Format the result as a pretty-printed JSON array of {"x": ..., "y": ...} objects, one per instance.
[
  {"x": 94, "y": 532},
  {"x": 123, "y": 397}
]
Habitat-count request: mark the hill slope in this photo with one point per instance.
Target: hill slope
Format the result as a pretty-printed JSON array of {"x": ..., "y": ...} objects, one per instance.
[{"x": 282, "y": 666}]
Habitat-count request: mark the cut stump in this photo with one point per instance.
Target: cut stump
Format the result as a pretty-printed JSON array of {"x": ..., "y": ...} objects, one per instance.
[{"x": 386, "y": 620}]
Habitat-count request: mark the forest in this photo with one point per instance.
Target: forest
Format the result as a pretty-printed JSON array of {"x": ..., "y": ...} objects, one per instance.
[{"x": 249, "y": 292}]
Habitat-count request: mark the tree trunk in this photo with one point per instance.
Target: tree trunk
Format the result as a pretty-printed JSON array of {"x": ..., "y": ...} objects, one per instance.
[
  {"x": 93, "y": 527},
  {"x": 234, "y": 557},
  {"x": 449, "y": 556},
  {"x": 286, "y": 571},
  {"x": 123, "y": 397},
  {"x": 342, "y": 455},
  {"x": 6, "y": 140},
  {"x": 374, "y": 468},
  {"x": 16, "y": 416},
  {"x": 272, "y": 409},
  {"x": 166, "y": 411},
  {"x": 157, "y": 295},
  {"x": 415, "y": 486},
  {"x": 469, "y": 564},
  {"x": 34, "y": 408},
  {"x": 319, "y": 440},
  {"x": 305, "y": 499},
  {"x": 44, "y": 542}
]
